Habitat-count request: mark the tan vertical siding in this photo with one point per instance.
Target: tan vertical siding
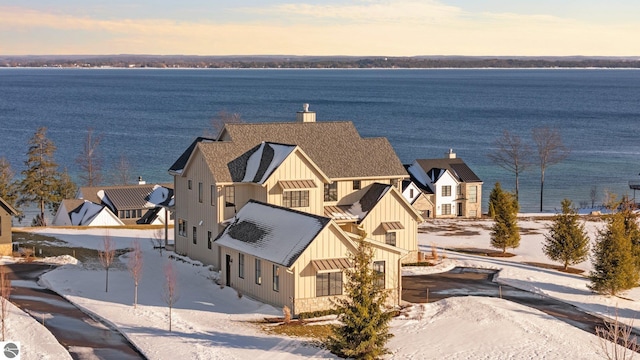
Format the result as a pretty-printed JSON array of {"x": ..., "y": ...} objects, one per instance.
[{"x": 190, "y": 209}]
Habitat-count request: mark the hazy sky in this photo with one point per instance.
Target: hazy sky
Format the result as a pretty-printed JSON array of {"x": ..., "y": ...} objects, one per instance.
[{"x": 314, "y": 27}]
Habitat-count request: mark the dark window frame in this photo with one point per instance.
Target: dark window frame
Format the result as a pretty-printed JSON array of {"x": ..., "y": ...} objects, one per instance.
[
  {"x": 329, "y": 284},
  {"x": 331, "y": 191}
]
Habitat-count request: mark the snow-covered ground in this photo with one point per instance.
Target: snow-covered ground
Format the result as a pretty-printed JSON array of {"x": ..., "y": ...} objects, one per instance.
[{"x": 210, "y": 322}]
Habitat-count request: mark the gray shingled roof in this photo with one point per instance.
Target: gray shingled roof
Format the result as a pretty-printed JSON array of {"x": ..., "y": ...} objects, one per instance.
[
  {"x": 123, "y": 197},
  {"x": 271, "y": 232},
  {"x": 336, "y": 147},
  {"x": 456, "y": 166}
]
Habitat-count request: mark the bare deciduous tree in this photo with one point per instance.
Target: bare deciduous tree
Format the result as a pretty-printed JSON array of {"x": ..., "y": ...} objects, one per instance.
[
  {"x": 170, "y": 293},
  {"x": 511, "y": 154},
  {"x": 89, "y": 160},
  {"x": 551, "y": 151},
  {"x": 135, "y": 269},
  {"x": 158, "y": 240},
  {"x": 107, "y": 255},
  {"x": 616, "y": 339},
  {"x": 5, "y": 293},
  {"x": 594, "y": 195},
  {"x": 122, "y": 170},
  {"x": 220, "y": 120}
]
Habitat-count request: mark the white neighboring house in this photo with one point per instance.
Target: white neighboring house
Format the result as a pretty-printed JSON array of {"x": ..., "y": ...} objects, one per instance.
[
  {"x": 453, "y": 187},
  {"x": 79, "y": 212}
]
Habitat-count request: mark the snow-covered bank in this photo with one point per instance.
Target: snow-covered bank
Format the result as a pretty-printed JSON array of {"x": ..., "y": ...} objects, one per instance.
[{"x": 210, "y": 322}]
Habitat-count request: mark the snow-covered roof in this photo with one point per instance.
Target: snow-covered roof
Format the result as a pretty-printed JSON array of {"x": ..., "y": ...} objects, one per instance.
[
  {"x": 84, "y": 214},
  {"x": 270, "y": 232},
  {"x": 257, "y": 164},
  {"x": 160, "y": 196},
  {"x": 360, "y": 208}
]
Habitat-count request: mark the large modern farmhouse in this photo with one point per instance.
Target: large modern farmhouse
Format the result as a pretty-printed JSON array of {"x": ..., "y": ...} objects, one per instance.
[{"x": 278, "y": 207}]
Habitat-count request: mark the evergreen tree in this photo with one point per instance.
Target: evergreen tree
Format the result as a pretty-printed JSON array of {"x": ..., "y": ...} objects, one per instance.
[
  {"x": 65, "y": 189},
  {"x": 630, "y": 218},
  {"x": 40, "y": 176},
  {"x": 503, "y": 207},
  {"x": 365, "y": 329},
  {"x": 8, "y": 186},
  {"x": 567, "y": 240},
  {"x": 614, "y": 267}
]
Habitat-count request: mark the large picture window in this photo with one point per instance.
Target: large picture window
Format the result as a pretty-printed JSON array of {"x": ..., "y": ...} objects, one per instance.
[
  {"x": 328, "y": 284},
  {"x": 293, "y": 199},
  {"x": 331, "y": 191},
  {"x": 473, "y": 194}
]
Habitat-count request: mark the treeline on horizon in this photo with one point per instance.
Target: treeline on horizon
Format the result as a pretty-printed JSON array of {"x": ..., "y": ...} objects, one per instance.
[{"x": 299, "y": 62}]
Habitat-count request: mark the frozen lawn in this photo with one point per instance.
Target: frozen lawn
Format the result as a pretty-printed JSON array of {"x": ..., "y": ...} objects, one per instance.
[{"x": 210, "y": 322}]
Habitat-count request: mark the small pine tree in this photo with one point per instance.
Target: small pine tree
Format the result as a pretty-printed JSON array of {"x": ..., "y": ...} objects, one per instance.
[
  {"x": 614, "y": 266},
  {"x": 567, "y": 240},
  {"x": 630, "y": 218},
  {"x": 503, "y": 207},
  {"x": 365, "y": 329}
]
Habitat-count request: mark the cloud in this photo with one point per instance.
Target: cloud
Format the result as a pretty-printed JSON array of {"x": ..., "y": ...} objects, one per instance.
[{"x": 389, "y": 27}]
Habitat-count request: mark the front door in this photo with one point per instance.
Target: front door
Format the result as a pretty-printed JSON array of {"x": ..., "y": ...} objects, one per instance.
[
  {"x": 227, "y": 272},
  {"x": 460, "y": 209}
]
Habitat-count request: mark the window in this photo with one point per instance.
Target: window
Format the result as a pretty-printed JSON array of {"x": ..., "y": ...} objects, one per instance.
[
  {"x": 182, "y": 227},
  {"x": 328, "y": 284},
  {"x": 195, "y": 235},
  {"x": 294, "y": 199},
  {"x": 378, "y": 270},
  {"x": 411, "y": 193},
  {"x": 213, "y": 195},
  {"x": 473, "y": 213},
  {"x": 446, "y": 209},
  {"x": 459, "y": 190},
  {"x": 258, "y": 274},
  {"x": 200, "y": 190},
  {"x": 276, "y": 277},
  {"x": 390, "y": 238},
  {"x": 446, "y": 190},
  {"x": 473, "y": 194},
  {"x": 209, "y": 240},
  {"x": 189, "y": 184},
  {"x": 357, "y": 185},
  {"x": 331, "y": 191},
  {"x": 241, "y": 266},
  {"x": 229, "y": 196}
]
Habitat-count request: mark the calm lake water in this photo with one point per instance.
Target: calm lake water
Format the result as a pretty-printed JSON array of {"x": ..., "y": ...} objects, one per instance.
[{"x": 152, "y": 115}]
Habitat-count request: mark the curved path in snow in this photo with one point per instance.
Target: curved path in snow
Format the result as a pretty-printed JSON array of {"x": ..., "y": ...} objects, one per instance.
[{"x": 83, "y": 336}]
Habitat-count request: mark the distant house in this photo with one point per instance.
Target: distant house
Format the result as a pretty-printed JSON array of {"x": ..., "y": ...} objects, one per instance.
[
  {"x": 130, "y": 203},
  {"x": 235, "y": 188},
  {"x": 422, "y": 201},
  {"x": 454, "y": 188},
  {"x": 7, "y": 212},
  {"x": 80, "y": 212}
]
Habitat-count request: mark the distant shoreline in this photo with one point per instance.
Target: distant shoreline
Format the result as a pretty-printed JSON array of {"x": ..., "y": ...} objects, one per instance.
[{"x": 317, "y": 62}]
